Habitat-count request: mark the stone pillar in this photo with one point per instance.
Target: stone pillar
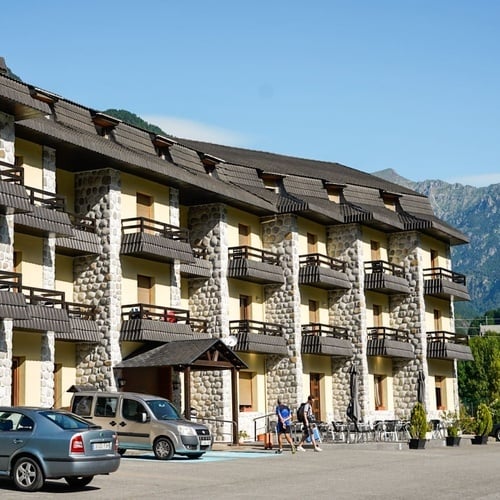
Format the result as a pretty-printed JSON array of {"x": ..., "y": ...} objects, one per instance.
[
  {"x": 47, "y": 354},
  {"x": 175, "y": 274},
  {"x": 347, "y": 309},
  {"x": 284, "y": 375},
  {"x": 209, "y": 298},
  {"x": 98, "y": 278},
  {"x": 407, "y": 312},
  {"x": 7, "y": 154}
]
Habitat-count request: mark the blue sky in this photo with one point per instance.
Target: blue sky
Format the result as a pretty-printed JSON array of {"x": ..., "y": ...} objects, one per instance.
[{"x": 373, "y": 84}]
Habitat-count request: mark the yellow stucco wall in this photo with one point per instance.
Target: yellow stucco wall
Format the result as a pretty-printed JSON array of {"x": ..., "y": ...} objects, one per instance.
[
  {"x": 380, "y": 366},
  {"x": 427, "y": 244},
  {"x": 64, "y": 276},
  {"x": 322, "y": 365},
  {"x": 308, "y": 293},
  {"x": 131, "y": 185},
  {"x": 255, "y": 291},
  {"x": 432, "y": 303},
  {"x": 236, "y": 217},
  {"x": 369, "y": 234},
  {"x": 31, "y": 249},
  {"x": 256, "y": 365},
  {"x": 131, "y": 267},
  {"x": 28, "y": 346},
  {"x": 32, "y": 162},
  {"x": 65, "y": 354},
  {"x": 442, "y": 368},
  {"x": 306, "y": 226},
  {"x": 65, "y": 182}
]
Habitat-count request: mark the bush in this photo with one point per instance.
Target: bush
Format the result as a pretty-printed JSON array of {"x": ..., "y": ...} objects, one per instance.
[
  {"x": 418, "y": 422},
  {"x": 484, "y": 421}
]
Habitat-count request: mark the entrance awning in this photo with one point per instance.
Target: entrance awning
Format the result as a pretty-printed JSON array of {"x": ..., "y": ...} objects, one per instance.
[{"x": 198, "y": 354}]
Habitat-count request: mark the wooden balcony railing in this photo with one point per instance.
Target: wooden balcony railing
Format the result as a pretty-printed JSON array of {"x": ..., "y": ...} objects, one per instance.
[
  {"x": 156, "y": 228},
  {"x": 381, "y": 266},
  {"x": 319, "y": 260},
  {"x": 11, "y": 282},
  {"x": 385, "y": 333},
  {"x": 246, "y": 252},
  {"x": 256, "y": 327},
  {"x": 434, "y": 273},
  {"x": 42, "y": 296},
  {"x": 46, "y": 199},
  {"x": 155, "y": 313},
  {"x": 322, "y": 330},
  {"x": 82, "y": 222},
  {"x": 81, "y": 311},
  {"x": 11, "y": 173},
  {"x": 450, "y": 337}
]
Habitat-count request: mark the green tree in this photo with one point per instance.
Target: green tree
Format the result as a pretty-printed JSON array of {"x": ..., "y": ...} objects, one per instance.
[{"x": 479, "y": 380}]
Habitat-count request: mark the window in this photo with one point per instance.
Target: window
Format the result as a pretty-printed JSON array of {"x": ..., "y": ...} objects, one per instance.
[
  {"x": 245, "y": 307},
  {"x": 82, "y": 405},
  {"x": 375, "y": 249},
  {"x": 437, "y": 320},
  {"x": 243, "y": 235},
  {"x": 246, "y": 391},
  {"x": 313, "y": 311},
  {"x": 312, "y": 243},
  {"x": 380, "y": 382},
  {"x": 144, "y": 289},
  {"x": 434, "y": 258},
  {"x": 377, "y": 315},
  {"x": 133, "y": 410},
  {"x": 440, "y": 392},
  {"x": 105, "y": 407}
]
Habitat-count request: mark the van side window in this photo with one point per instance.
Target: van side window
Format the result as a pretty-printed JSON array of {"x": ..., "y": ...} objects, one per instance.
[
  {"x": 132, "y": 409},
  {"x": 105, "y": 407},
  {"x": 82, "y": 405}
]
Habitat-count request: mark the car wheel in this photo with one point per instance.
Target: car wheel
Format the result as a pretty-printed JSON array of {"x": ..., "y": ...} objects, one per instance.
[
  {"x": 78, "y": 481},
  {"x": 163, "y": 449},
  {"x": 27, "y": 474},
  {"x": 497, "y": 434},
  {"x": 122, "y": 451}
]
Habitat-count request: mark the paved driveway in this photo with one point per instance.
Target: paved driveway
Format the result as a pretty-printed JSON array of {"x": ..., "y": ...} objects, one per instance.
[{"x": 361, "y": 471}]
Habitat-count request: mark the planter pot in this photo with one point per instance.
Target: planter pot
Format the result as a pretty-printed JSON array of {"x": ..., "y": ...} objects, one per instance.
[
  {"x": 417, "y": 444},
  {"x": 453, "y": 441},
  {"x": 479, "y": 439}
]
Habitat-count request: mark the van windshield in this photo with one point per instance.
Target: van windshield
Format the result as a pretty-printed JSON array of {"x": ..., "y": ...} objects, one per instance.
[{"x": 163, "y": 410}]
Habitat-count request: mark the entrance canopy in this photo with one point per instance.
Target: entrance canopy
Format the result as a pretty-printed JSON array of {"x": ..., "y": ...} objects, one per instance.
[{"x": 197, "y": 354}]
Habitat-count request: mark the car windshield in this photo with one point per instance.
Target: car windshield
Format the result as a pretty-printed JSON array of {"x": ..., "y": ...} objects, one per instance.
[
  {"x": 163, "y": 409},
  {"x": 67, "y": 420}
]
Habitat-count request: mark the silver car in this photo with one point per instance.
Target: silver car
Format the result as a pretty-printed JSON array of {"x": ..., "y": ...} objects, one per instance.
[{"x": 39, "y": 443}]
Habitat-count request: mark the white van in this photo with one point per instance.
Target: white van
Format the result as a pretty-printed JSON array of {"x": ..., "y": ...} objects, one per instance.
[{"x": 144, "y": 422}]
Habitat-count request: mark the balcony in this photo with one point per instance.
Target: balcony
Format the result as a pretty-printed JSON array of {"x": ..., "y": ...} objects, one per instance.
[
  {"x": 157, "y": 241},
  {"x": 13, "y": 196},
  {"x": 383, "y": 277},
  {"x": 258, "y": 337},
  {"x": 83, "y": 324},
  {"x": 324, "y": 272},
  {"x": 254, "y": 265},
  {"x": 325, "y": 340},
  {"x": 389, "y": 343},
  {"x": 48, "y": 216},
  {"x": 444, "y": 284},
  {"x": 12, "y": 301},
  {"x": 84, "y": 241},
  {"x": 46, "y": 311},
  {"x": 198, "y": 269},
  {"x": 147, "y": 322},
  {"x": 448, "y": 345}
]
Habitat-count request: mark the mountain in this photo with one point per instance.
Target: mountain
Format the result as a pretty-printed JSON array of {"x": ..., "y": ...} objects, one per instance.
[{"x": 475, "y": 212}]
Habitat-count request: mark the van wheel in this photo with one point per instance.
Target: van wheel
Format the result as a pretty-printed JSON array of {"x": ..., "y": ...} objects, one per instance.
[
  {"x": 163, "y": 449},
  {"x": 122, "y": 451}
]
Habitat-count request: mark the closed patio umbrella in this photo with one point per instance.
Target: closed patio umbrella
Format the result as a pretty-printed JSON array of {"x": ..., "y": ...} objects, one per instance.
[
  {"x": 354, "y": 408},
  {"x": 421, "y": 387}
]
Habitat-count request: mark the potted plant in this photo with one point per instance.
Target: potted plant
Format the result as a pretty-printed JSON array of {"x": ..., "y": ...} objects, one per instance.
[
  {"x": 418, "y": 427},
  {"x": 242, "y": 435},
  {"x": 484, "y": 424},
  {"x": 452, "y": 423}
]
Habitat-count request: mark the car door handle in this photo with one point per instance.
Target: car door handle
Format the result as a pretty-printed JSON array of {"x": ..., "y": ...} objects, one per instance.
[{"x": 18, "y": 441}]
